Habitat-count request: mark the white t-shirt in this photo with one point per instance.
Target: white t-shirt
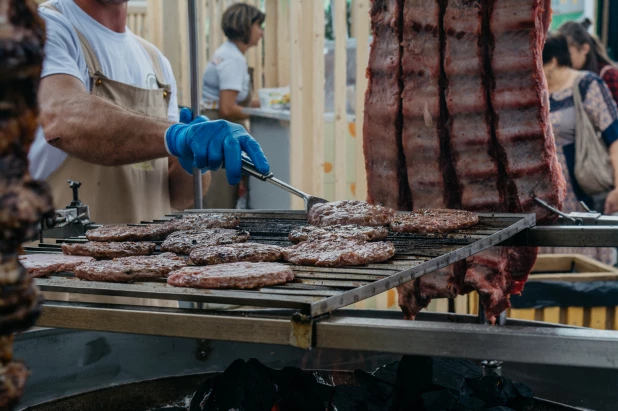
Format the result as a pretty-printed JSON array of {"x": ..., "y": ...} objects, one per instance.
[
  {"x": 227, "y": 70},
  {"x": 121, "y": 56}
]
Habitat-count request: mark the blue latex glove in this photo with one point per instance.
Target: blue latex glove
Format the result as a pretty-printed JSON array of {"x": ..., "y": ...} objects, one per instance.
[
  {"x": 185, "y": 118},
  {"x": 206, "y": 144}
]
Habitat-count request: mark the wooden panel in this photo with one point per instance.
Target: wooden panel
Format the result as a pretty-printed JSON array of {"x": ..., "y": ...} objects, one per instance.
[
  {"x": 259, "y": 53},
  {"x": 553, "y": 262},
  {"x": 567, "y": 262},
  {"x": 551, "y": 315},
  {"x": 461, "y": 304},
  {"x": 579, "y": 277},
  {"x": 441, "y": 305},
  {"x": 316, "y": 111},
  {"x": 575, "y": 316},
  {"x": 284, "y": 41},
  {"x": 473, "y": 303},
  {"x": 271, "y": 74},
  {"x": 598, "y": 318},
  {"x": 341, "y": 122},
  {"x": 298, "y": 83},
  {"x": 155, "y": 22},
  {"x": 523, "y": 314},
  {"x": 361, "y": 32},
  {"x": 183, "y": 76}
]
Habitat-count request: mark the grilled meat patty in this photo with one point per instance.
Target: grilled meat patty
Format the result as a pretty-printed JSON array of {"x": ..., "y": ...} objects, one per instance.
[
  {"x": 439, "y": 220},
  {"x": 231, "y": 253},
  {"x": 40, "y": 265},
  {"x": 350, "y": 212},
  {"x": 234, "y": 275},
  {"x": 108, "y": 250},
  {"x": 153, "y": 232},
  {"x": 128, "y": 269},
  {"x": 184, "y": 241},
  {"x": 338, "y": 252},
  {"x": 352, "y": 232}
]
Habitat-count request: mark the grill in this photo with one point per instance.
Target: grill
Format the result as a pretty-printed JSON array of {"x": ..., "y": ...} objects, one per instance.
[{"x": 315, "y": 290}]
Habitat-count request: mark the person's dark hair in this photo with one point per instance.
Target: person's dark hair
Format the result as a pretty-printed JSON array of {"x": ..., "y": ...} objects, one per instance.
[
  {"x": 577, "y": 35},
  {"x": 238, "y": 19},
  {"x": 556, "y": 46}
]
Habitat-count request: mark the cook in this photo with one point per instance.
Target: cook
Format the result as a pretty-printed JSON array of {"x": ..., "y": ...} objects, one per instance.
[
  {"x": 109, "y": 116},
  {"x": 227, "y": 85}
]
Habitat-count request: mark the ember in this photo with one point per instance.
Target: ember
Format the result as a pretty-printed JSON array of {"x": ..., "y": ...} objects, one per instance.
[{"x": 414, "y": 383}]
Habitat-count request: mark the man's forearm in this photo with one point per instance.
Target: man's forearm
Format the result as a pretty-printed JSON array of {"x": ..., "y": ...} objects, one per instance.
[{"x": 98, "y": 131}]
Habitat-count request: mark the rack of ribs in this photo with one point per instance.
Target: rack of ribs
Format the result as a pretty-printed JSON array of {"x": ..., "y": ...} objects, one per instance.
[
  {"x": 23, "y": 202},
  {"x": 475, "y": 132},
  {"x": 382, "y": 125}
]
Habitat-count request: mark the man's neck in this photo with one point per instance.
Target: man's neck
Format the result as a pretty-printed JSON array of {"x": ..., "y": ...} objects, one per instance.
[{"x": 112, "y": 16}]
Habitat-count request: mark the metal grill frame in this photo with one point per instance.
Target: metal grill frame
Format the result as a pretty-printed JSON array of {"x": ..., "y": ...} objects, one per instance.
[{"x": 317, "y": 290}]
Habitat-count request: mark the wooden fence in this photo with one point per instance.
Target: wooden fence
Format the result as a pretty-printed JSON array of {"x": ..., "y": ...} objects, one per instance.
[{"x": 291, "y": 54}]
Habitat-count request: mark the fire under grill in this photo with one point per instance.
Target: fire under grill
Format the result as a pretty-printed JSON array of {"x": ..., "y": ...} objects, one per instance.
[{"x": 315, "y": 290}]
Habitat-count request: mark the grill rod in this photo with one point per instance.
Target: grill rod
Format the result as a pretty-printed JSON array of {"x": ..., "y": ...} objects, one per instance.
[{"x": 195, "y": 103}]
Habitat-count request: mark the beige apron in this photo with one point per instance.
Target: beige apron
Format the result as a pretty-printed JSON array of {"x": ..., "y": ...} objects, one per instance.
[
  {"x": 122, "y": 194},
  {"x": 220, "y": 194}
]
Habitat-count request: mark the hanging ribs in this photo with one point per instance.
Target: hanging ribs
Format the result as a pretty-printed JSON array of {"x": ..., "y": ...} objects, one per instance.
[
  {"x": 476, "y": 133},
  {"x": 382, "y": 125},
  {"x": 23, "y": 202}
]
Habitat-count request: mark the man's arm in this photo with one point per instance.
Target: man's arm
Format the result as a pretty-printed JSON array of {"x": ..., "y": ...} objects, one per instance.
[
  {"x": 94, "y": 129},
  {"x": 181, "y": 185}
]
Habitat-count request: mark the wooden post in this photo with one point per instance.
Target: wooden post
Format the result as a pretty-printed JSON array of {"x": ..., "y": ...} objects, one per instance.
[
  {"x": 316, "y": 53},
  {"x": 299, "y": 160},
  {"x": 284, "y": 38},
  {"x": 341, "y": 117},
  {"x": 361, "y": 25},
  {"x": 183, "y": 78},
  {"x": 213, "y": 27},
  {"x": 258, "y": 70},
  {"x": 270, "y": 45},
  {"x": 155, "y": 23}
]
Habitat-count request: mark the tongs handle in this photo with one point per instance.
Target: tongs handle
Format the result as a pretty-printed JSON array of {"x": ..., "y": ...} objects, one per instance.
[{"x": 249, "y": 168}]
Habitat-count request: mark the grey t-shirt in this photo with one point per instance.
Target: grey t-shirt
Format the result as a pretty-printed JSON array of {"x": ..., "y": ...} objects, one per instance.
[{"x": 226, "y": 70}]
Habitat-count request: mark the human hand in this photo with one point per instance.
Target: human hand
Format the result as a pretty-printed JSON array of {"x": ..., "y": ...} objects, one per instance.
[
  {"x": 611, "y": 202},
  {"x": 206, "y": 144}
]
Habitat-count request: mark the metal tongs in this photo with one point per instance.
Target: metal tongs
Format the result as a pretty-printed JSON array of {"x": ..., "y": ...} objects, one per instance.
[{"x": 249, "y": 169}]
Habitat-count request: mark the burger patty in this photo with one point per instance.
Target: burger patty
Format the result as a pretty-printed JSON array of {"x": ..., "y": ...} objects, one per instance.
[
  {"x": 231, "y": 253},
  {"x": 350, "y": 212},
  {"x": 40, "y": 265},
  {"x": 108, "y": 250},
  {"x": 235, "y": 275},
  {"x": 128, "y": 269},
  {"x": 351, "y": 232},
  {"x": 154, "y": 232},
  {"x": 184, "y": 241},
  {"x": 338, "y": 252},
  {"x": 433, "y": 221},
  {"x": 149, "y": 232}
]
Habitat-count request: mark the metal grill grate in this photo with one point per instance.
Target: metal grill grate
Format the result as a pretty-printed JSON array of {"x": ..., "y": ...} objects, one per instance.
[{"x": 315, "y": 290}]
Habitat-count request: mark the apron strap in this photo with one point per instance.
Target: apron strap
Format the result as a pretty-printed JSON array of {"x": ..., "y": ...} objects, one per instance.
[
  {"x": 153, "y": 53},
  {"x": 92, "y": 62}
]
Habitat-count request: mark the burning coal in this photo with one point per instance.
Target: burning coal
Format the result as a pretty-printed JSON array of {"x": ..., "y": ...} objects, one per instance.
[{"x": 414, "y": 383}]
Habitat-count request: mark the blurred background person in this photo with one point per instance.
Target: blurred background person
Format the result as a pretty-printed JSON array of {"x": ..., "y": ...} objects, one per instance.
[
  {"x": 587, "y": 53},
  {"x": 599, "y": 106},
  {"x": 227, "y": 87}
]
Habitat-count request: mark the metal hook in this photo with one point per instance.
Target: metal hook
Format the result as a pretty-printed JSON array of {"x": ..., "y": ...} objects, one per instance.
[
  {"x": 585, "y": 207},
  {"x": 576, "y": 221}
]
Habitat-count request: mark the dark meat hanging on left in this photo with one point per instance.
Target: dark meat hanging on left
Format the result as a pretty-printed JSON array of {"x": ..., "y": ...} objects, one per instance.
[{"x": 23, "y": 201}]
